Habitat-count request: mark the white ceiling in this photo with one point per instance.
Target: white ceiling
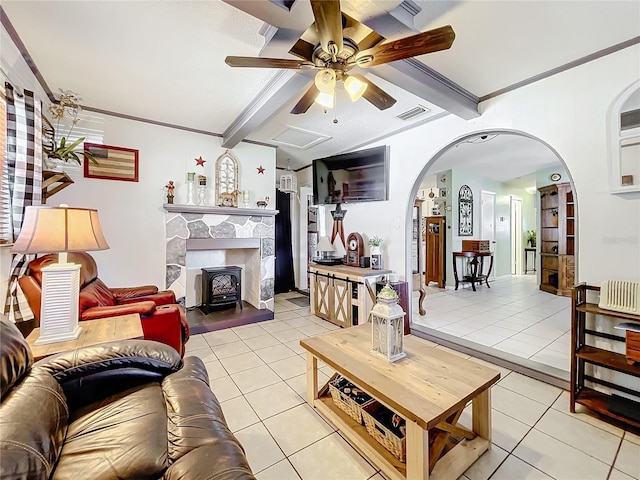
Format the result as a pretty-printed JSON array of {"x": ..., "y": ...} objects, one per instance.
[{"x": 164, "y": 60}]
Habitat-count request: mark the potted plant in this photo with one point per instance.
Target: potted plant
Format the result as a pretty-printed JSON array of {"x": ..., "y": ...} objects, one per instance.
[
  {"x": 60, "y": 150},
  {"x": 531, "y": 238},
  {"x": 374, "y": 243}
]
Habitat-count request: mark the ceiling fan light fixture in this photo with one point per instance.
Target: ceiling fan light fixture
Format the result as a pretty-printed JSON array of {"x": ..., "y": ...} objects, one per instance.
[
  {"x": 326, "y": 80},
  {"x": 327, "y": 100},
  {"x": 354, "y": 87}
]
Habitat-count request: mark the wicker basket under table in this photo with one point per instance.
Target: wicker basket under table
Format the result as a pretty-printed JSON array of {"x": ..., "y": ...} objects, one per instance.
[
  {"x": 385, "y": 437},
  {"x": 347, "y": 404}
]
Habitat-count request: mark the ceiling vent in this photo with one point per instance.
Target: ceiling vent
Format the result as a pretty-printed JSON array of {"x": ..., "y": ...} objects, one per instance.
[
  {"x": 413, "y": 113},
  {"x": 299, "y": 138}
]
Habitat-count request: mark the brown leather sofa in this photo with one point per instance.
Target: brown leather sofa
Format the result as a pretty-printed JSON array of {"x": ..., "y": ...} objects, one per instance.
[
  {"x": 162, "y": 319},
  {"x": 121, "y": 410}
]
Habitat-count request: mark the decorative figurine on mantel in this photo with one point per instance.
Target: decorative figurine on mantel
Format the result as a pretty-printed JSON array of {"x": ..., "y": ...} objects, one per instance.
[
  {"x": 170, "y": 188},
  {"x": 263, "y": 203},
  {"x": 229, "y": 199}
]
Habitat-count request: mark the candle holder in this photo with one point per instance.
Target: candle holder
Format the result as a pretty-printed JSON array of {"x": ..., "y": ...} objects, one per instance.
[
  {"x": 191, "y": 179},
  {"x": 202, "y": 190},
  {"x": 246, "y": 199}
]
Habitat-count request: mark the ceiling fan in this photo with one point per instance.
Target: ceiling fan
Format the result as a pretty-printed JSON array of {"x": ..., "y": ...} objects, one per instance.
[{"x": 334, "y": 44}]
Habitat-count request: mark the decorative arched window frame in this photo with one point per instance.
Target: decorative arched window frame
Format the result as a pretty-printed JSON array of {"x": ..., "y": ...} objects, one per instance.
[
  {"x": 226, "y": 179},
  {"x": 465, "y": 211},
  {"x": 624, "y": 143}
]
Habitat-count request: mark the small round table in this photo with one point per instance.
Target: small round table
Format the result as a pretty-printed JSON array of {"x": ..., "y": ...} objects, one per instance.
[{"x": 477, "y": 264}]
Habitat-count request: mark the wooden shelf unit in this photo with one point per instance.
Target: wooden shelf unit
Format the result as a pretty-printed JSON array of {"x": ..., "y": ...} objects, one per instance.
[
  {"x": 557, "y": 238},
  {"x": 583, "y": 354},
  {"x": 53, "y": 182}
]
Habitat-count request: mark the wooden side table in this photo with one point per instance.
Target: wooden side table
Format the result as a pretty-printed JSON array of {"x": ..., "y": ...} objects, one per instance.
[
  {"x": 526, "y": 259},
  {"x": 477, "y": 268},
  {"x": 123, "y": 327}
]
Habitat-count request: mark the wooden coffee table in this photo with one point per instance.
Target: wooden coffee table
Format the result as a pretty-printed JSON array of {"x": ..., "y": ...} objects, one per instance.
[
  {"x": 111, "y": 329},
  {"x": 429, "y": 388}
]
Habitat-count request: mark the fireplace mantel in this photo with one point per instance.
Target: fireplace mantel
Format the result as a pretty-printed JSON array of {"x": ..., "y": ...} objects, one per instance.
[{"x": 208, "y": 209}]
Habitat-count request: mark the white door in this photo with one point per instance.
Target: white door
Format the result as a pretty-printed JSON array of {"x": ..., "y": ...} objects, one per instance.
[
  {"x": 488, "y": 222},
  {"x": 516, "y": 236}
]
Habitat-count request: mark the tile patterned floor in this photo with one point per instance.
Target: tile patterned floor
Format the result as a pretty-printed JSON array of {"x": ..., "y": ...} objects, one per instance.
[
  {"x": 257, "y": 373},
  {"x": 513, "y": 316}
]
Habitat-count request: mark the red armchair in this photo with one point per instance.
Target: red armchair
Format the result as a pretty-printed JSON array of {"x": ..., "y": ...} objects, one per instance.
[{"x": 162, "y": 319}]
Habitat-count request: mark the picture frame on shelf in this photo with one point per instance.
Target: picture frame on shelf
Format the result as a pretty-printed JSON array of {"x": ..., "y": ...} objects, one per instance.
[{"x": 112, "y": 163}]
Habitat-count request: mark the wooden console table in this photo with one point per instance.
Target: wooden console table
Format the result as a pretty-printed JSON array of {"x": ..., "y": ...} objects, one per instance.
[
  {"x": 429, "y": 388},
  {"x": 477, "y": 268},
  {"x": 343, "y": 295},
  {"x": 111, "y": 329}
]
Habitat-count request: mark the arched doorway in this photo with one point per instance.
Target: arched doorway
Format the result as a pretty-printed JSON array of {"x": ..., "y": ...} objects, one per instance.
[{"x": 511, "y": 320}]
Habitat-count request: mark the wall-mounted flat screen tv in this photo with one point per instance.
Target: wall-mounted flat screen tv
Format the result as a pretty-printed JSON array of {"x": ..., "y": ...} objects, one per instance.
[{"x": 361, "y": 176}]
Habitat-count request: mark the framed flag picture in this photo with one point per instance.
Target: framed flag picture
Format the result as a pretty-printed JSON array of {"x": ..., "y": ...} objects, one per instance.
[{"x": 111, "y": 163}]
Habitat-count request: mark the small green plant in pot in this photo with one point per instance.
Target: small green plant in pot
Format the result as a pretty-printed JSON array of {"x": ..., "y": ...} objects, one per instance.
[
  {"x": 531, "y": 238},
  {"x": 375, "y": 242},
  {"x": 61, "y": 149}
]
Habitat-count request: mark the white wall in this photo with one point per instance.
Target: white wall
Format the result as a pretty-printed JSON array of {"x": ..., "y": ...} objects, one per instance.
[
  {"x": 568, "y": 111},
  {"x": 131, "y": 213}
]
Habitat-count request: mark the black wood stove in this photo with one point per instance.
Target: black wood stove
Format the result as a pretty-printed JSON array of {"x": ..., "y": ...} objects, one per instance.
[{"x": 221, "y": 288}]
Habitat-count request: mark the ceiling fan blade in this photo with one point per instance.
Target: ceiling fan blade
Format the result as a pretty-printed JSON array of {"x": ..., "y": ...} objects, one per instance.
[
  {"x": 426, "y": 42},
  {"x": 328, "y": 23},
  {"x": 267, "y": 63},
  {"x": 302, "y": 49},
  {"x": 375, "y": 95},
  {"x": 306, "y": 101}
]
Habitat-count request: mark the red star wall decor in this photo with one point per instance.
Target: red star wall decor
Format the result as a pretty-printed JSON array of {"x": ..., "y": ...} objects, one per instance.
[
  {"x": 200, "y": 161},
  {"x": 261, "y": 170}
]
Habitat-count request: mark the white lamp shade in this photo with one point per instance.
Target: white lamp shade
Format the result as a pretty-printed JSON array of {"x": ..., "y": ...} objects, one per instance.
[
  {"x": 325, "y": 80},
  {"x": 327, "y": 100},
  {"x": 324, "y": 245},
  {"x": 354, "y": 87},
  {"x": 60, "y": 229},
  {"x": 339, "y": 247}
]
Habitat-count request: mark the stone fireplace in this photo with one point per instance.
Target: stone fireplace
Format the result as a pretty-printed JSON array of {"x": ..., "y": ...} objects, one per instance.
[{"x": 201, "y": 237}]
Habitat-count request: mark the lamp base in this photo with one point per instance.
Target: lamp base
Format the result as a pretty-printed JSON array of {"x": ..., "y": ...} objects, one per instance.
[
  {"x": 59, "y": 337},
  {"x": 59, "y": 304}
]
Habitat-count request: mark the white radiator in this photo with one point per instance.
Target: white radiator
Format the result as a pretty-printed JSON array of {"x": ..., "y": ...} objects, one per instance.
[{"x": 620, "y": 296}]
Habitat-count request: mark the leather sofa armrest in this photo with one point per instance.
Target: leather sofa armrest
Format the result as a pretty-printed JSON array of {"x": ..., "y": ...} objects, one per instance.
[
  {"x": 197, "y": 430},
  {"x": 91, "y": 373},
  {"x": 224, "y": 460},
  {"x": 159, "y": 298},
  {"x": 133, "y": 292},
  {"x": 142, "y": 308}
]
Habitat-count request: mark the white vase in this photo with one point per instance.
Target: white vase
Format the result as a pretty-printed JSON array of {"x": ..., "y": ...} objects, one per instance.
[{"x": 375, "y": 250}]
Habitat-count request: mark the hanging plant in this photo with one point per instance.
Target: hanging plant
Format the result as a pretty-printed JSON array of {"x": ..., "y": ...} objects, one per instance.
[{"x": 67, "y": 105}]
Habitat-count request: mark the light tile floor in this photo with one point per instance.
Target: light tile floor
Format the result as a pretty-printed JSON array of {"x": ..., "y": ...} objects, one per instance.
[
  {"x": 257, "y": 373},
  {"x": 513, "y": 316}
]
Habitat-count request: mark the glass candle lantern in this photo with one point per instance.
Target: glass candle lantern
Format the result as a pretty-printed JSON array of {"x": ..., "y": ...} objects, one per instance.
[{"x": 387, "y": 326}]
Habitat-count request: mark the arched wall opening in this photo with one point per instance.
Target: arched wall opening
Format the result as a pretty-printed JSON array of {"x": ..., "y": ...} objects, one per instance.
[{"x": 435, "y": 165}]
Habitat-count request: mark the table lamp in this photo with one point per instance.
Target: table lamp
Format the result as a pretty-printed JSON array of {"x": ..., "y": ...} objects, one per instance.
[
  {"x": 59, "y": 230},
  {"x": 324, "y": 247}
]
